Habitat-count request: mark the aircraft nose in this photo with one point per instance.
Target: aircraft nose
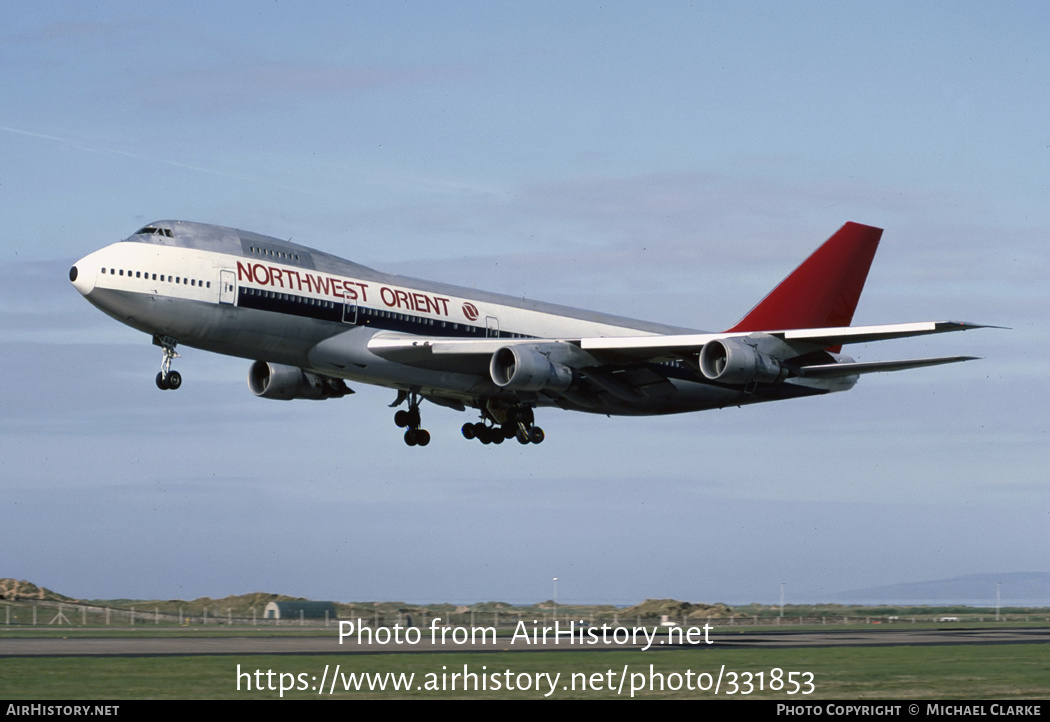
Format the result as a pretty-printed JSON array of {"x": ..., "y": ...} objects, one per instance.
[{"x": 82, "y": 277}]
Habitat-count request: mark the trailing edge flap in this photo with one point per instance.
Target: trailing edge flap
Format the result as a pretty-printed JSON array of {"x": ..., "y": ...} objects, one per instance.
[
  {"x": 467, "y": 355},
  {"x": 826, "y": 371}
]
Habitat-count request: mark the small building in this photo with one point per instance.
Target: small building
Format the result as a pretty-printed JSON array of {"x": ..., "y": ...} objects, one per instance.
[{"x": 299, "y": 610}]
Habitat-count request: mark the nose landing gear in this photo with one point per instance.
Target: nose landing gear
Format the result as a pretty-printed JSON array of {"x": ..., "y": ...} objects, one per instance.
[{"x": 167, "y": 379}]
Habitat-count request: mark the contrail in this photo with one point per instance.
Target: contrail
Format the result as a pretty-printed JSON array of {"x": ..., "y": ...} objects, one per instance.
[
  {"x": 149, "y": 159},
  {"x": 384, "y": 180}
]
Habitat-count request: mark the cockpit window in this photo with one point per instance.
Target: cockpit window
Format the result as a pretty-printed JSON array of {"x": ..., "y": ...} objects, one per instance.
[{"x": 154, "y": 231}]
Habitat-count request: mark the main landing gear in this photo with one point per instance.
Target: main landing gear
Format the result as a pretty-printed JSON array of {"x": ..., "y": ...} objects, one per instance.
[
  {"x": 167, "y": 379},
  {"x": 517, "y": 423},
  {"x": 410, "y": 421}
]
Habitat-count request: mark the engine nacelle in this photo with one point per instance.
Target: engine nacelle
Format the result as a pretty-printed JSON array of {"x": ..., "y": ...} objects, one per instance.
[
  {"x": 734, "y": 361},
  {"x": 521, "y": 368},
  {"x": 276, "y": 381}
]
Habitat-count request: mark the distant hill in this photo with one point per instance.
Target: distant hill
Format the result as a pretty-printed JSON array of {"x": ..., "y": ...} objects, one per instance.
[
  {"x": 15, "y": 589},
  {"x": 1017, "y": 587},
  {"x": 676, "y": 610}
]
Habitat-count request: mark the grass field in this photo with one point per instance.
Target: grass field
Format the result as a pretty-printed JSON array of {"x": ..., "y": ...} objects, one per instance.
[{"x": 1011, "y": 671}]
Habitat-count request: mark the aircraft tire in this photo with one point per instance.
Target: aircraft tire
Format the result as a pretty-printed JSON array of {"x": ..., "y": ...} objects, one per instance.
[
  {"x": 401, "y": 419},
  {"x": 468, "y": 431},
  {"x": 174, "y": 380},
  {"x": 536, "y": 436},
  {"x": 522, "y": 437},
  {"x": 410, "y": 437},
  {"x": 161, "y": 383},
  {"x": 422, "y": 437}
]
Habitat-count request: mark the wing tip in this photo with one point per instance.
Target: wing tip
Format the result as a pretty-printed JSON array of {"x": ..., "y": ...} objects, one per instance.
[{"x": 967, "y": 325}]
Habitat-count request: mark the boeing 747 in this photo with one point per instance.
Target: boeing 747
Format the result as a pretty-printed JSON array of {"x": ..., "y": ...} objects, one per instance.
[{"x": 311, "y": 321}]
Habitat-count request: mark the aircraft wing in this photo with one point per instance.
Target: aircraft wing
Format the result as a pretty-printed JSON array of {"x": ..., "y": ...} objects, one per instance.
[
  {"x": 435, "y": 352},
  {"x": 804, "y": 339}
]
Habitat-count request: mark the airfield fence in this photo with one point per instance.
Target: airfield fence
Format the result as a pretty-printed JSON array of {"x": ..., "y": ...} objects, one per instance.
[{"x": 46, "y": 613}]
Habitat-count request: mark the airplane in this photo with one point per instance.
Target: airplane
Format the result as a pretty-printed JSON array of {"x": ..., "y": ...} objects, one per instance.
[{"x": 310, "y": 321}]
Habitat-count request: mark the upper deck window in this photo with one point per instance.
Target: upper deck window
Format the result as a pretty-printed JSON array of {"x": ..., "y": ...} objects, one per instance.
[{"x": 288, "y": 255}]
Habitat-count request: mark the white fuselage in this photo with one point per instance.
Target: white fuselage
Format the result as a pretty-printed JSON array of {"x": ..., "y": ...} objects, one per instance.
[{"x": 251, "y": 296}]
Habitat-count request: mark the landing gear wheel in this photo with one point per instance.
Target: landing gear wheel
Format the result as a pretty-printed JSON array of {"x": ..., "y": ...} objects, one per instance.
[
  {"x": 167, "y": 379},
  {"x": 409, "y": 420},
  {"x": 502, "y": 422}
]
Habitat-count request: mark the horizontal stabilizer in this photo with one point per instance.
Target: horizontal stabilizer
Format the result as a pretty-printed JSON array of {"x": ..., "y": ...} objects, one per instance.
[{"x": 827, "y": 371}]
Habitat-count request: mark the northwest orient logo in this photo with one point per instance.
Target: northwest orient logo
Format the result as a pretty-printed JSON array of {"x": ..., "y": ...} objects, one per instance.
[{"x": 470, "y": 311}]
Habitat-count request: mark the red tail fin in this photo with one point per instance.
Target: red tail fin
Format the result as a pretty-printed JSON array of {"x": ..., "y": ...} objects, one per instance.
[{"x": 824, "y": 290}]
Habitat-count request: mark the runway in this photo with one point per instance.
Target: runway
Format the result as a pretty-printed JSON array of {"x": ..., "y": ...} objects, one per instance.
[{"x": 254, "y": 643}]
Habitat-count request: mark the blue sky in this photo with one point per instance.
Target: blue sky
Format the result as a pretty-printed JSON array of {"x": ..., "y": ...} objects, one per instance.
[{"x": 664, "y": 161}]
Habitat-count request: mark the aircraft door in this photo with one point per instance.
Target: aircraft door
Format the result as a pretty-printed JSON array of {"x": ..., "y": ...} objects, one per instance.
[
  {"x": 227, "y": 287},
  {"x": 350, "y": 313},
  {"x": 491, "y": 327}
]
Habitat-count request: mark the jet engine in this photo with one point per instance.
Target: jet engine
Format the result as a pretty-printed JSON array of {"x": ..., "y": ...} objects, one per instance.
[
  {"x": 276, "y": 381},
  {"x": 521, "y": 368},
  {"x": 733, "y": 361}
]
